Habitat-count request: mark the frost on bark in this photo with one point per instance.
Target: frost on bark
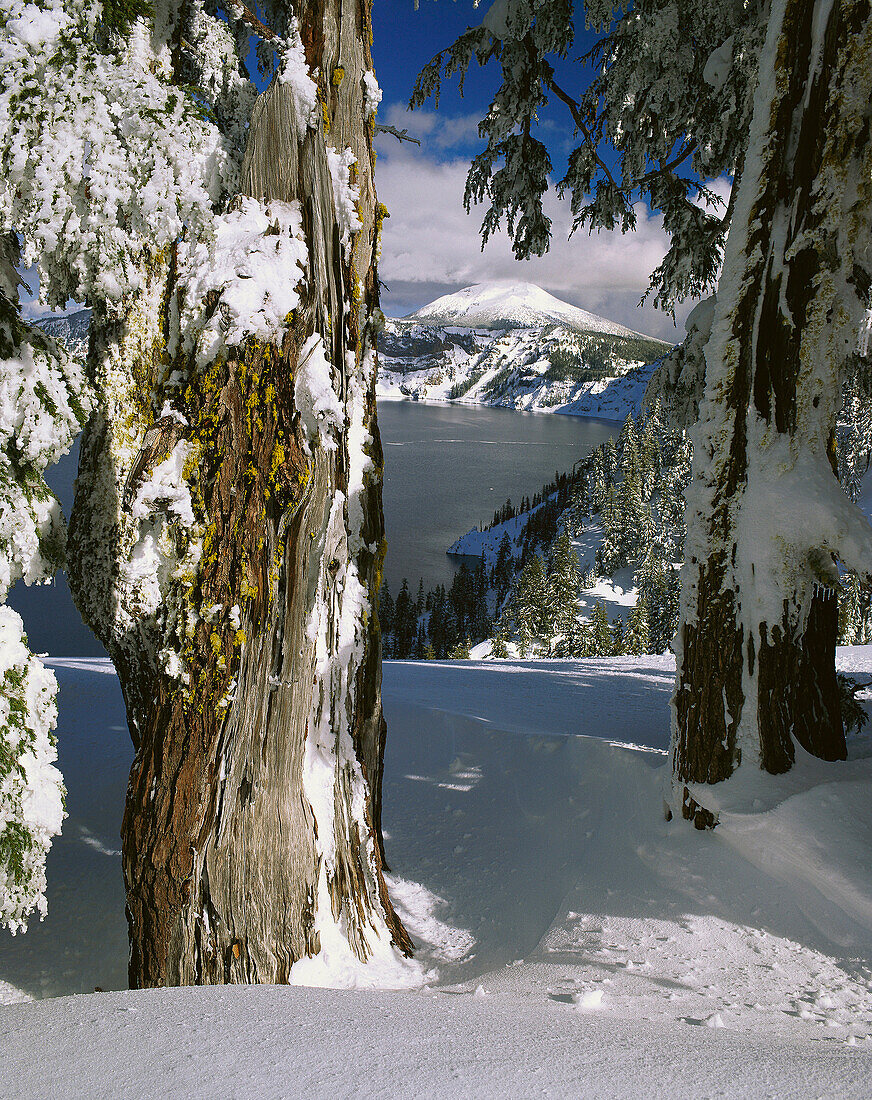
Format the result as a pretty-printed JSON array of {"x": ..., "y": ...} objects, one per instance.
[
  {"x": 766, "y": 517},
  {"x": 231, "y": 491}
]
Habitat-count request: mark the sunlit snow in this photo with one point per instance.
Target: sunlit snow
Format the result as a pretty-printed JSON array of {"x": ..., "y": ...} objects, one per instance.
[{"x": 576, "y": 942}]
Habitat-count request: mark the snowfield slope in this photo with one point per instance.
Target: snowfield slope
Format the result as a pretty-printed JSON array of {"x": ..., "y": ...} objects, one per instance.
[
  {"x": 517, "y": 347},
  {"x": 578, "y": 943}
]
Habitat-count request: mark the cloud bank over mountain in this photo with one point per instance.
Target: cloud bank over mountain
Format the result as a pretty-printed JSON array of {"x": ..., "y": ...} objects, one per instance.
[{"x": 431, "y": 246}]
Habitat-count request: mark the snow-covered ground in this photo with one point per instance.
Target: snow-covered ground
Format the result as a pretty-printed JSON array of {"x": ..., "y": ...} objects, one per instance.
[{"x": 580, "y": 944}]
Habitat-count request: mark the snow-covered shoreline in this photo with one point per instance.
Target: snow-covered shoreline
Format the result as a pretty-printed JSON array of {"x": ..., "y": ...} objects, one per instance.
[{"x": 617, "y": 416}]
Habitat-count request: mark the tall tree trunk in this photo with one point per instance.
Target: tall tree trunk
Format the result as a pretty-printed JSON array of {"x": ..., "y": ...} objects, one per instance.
[
  {"x": 766, "y": 518},
  {"x": 252, "y": 836}
]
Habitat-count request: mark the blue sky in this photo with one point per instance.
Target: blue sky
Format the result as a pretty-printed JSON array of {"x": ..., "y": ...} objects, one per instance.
[{"x": 431, "y": 246}]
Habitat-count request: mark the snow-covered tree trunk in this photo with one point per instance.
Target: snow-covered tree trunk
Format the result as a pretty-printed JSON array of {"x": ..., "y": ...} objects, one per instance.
[
  {"x": 230, "y": 495},
  {"x": 766, "y": 516}
]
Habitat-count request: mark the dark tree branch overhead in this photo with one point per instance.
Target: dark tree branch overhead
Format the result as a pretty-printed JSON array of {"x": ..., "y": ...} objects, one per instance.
[{"x": 577, "y": 117}]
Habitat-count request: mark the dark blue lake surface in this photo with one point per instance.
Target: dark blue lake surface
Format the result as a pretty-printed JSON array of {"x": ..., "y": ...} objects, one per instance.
[{"x": 447, "y": 468}]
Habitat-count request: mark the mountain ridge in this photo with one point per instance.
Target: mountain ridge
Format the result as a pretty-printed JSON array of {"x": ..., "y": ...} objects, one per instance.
[
  {"x": 516, "y": 305},
  {"x": 516, "y": 346},
  {"x": 513, "y": 346}
]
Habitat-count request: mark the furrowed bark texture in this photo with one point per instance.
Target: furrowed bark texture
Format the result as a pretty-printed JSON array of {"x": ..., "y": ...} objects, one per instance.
[
  {"x": 755, "y": 676},
  {"x": 225, "y": 859}
]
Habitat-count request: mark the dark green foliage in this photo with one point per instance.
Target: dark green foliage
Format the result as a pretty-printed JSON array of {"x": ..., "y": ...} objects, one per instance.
[
  {"x": 120, "y": 15},
  {"x": 15, "y": 844},
  {"x": 525, "y": 615},
  {"x": 386, "y": 609},
  {"x": 659, "y": 589},
  {"x": 633, "y": 490},
  {"x": 432, "y": 626},
  {"x": 603, "y": 636},
  {"x": 503, "y": 570},
  {"x": 419, "y": 603},
  {"x": 502, "y": 515},
  {"x": 636, "y": 636},
  {"x": 563, "y": 582},
  {"x": 854, "y": 716},
  {"x": 405, "y": 630}
]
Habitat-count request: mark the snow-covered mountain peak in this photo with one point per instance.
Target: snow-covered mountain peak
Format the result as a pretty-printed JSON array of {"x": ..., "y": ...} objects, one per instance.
[{"x": 516, "y": 305}]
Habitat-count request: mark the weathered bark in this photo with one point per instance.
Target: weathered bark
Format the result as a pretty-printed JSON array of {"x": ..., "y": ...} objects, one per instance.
[
  {"x": 226, "y": 863},
  {"x": 755, "y": 676}
]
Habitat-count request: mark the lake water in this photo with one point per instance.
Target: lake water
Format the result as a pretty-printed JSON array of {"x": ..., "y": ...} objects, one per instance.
[{"x": 447, "y": 468}]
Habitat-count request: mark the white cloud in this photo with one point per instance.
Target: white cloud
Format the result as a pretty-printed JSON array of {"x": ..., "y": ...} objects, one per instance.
[{"x": 431, "y": 246}]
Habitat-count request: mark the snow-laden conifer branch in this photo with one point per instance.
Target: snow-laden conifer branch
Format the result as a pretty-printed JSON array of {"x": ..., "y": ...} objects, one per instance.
[
  {"x": 648, "y": 97},
  {"x": 43, "y": 403},
  {"x": 240, "y": 11}
]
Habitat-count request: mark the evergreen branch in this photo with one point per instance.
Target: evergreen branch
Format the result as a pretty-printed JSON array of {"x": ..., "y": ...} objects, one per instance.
[
  {"x": 666, "y": 168},
  {"x": 577, "y": 117}
]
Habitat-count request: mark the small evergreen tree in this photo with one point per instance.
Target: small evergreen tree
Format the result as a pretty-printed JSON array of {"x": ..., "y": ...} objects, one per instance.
[
  {"x": 564, "y": 579},
  {"x": 503, "y": 569},
  {"x": 386, "y": 609},
  {"x": 525, "y": 609},
  {"x": 612, "y": 518},
  {"x": 628, "y": 447},
  {"x": 405, "y": 624},
  {"x": 602, "y": 636},
  {"x": 419, "y": 603},
  {"x": 618, "y": 646},
  {"x": 636, "y": 638}
]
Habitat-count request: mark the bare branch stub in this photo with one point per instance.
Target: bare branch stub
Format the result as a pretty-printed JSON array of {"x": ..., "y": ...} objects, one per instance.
[
  {"x": 400, "y": 135},
  {"x": 247, "y": 16}
]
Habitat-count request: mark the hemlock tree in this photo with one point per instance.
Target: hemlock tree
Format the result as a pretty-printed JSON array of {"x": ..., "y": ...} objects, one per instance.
[
  {"x": 227, "y": 535},
  {"x": 43, "y": 404},
  {"x": 563, "y": 583},
  {"x": 602, "y": 633},
  {"x": 636, "y": 634},
  {"x": 775, "y": 94}
]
